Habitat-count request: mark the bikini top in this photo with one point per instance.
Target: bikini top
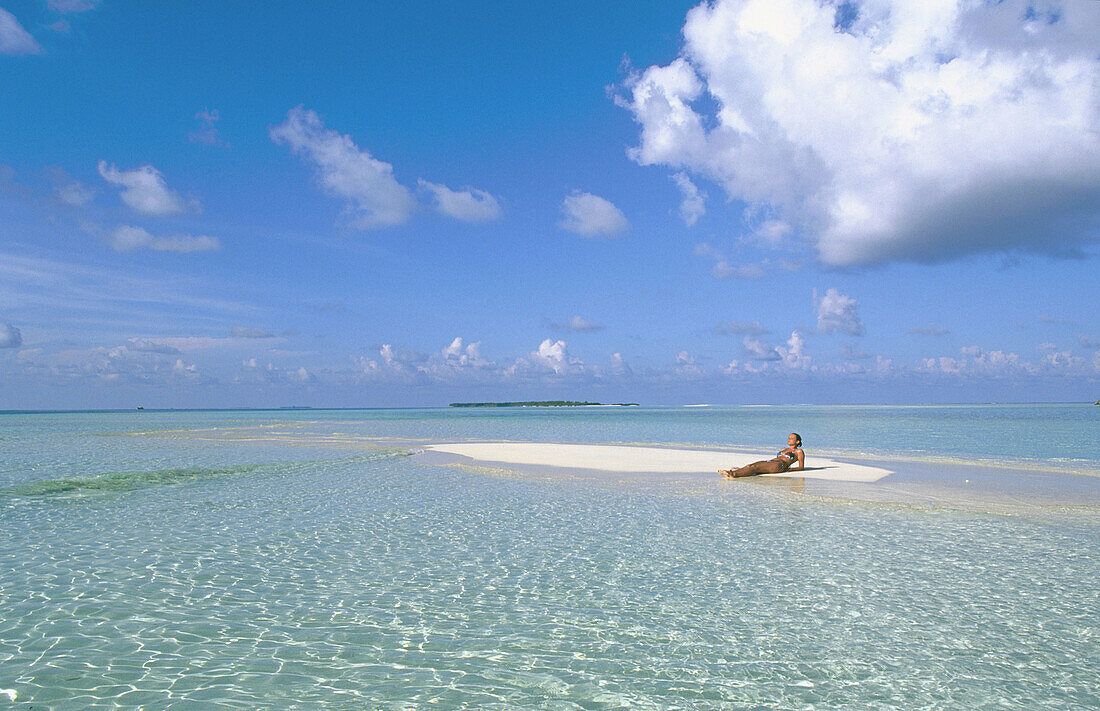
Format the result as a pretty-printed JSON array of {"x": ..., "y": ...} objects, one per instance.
[{"x": 791, "y": 454}]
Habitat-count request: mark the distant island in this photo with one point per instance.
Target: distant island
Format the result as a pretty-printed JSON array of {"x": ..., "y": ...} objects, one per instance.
[{"x": 543, "y": 403}]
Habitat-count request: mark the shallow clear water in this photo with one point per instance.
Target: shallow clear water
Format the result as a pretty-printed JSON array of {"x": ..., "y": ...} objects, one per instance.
[{"x": 190, "y": 569}]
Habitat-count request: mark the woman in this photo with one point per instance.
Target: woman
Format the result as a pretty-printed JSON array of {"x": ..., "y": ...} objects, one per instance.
[{"x": 791, "y": 459}]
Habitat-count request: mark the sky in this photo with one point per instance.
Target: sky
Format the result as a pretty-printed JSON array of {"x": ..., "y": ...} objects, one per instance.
[{"x": 344, "y": 204}]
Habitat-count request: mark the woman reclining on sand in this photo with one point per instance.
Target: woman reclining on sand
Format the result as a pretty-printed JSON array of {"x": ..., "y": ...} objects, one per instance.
[{"x": 790, "y": 459}]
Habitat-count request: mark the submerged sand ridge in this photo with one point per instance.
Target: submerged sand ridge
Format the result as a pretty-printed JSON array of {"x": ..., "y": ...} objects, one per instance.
[{"x": 622, "y": 458}]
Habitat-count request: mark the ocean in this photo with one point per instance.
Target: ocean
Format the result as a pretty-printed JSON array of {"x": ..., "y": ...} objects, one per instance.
[{"x": 314, "y": 559}]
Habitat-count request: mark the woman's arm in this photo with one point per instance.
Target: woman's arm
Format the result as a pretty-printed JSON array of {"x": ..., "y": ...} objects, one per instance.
[{"x": 801, "y": 461}]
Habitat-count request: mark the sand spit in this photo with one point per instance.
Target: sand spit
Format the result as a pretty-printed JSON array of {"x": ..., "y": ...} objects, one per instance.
[{"x": 618, "y": 458}]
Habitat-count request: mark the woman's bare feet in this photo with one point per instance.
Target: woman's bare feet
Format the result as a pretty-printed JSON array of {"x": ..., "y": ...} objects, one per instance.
[{"x": 728, "y": 473}]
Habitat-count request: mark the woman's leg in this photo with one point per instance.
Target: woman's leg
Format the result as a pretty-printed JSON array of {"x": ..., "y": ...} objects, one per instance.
[{"x": 772, "y": 466}]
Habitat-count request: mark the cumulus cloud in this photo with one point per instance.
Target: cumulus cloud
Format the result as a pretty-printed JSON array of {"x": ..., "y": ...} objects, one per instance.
[
  {"x": 373, "y": 197},
  {"x": 462, "y": 354},
  {"x": 10, "y": 336},
  {"x": 117, "y": 364},
  {"x": 837, "y": 313},
  {"x": 687, "y": 366},
  {"x": 887, "y": 129},
  {"x": 576, "y": 324},
  {"x": 724, "y": 268},
  {"x": 692, "y": 203},
  {"x": 551, "y": 355},
  {"x": 13, "y": 38},
  {"x": 619, "y": 366},
  {"x": 457, "y": 362},
  {"x": 740, "y": 328},
  {"x": 756, "y": 349},
  {"x": 589, "y": 215},
  {"x": 143, "y": 189},
  {"x": 125, "y": 238},
  {"x": 272, "y": 374},
  {"x": 149, "y": 345},
  {"x": 468, "y": 204},
  {"x": 207, "y": 133},
  {"x": 790, "y": 356}
]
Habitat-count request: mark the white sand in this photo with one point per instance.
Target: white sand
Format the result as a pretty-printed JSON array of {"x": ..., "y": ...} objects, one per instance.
[{"x": 615, "y": 458}]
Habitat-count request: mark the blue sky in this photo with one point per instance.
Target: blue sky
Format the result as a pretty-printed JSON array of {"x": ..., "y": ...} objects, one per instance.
[{"x": 242, "y": 204}]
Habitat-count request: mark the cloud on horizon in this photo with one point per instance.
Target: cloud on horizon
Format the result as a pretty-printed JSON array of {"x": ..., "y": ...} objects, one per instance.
[{"x": 876, "y": 127}]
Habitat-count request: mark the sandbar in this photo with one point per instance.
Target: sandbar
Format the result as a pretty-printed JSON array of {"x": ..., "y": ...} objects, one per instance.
[{"x": 648, "y": 460}]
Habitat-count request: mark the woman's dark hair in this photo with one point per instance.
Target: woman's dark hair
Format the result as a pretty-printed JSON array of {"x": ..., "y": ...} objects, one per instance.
[{"x": 799, "y": 438}]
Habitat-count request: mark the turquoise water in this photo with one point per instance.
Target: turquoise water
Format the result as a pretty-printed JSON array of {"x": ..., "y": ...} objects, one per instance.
[{"x": 286, "y": 560}]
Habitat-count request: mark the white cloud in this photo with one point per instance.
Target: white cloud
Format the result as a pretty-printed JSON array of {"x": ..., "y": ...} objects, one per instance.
[
  {"x": 931, "y": 329},
  {"x": 741, "y": 328},
  {"x": 687, "y": 366},
  {"x": 462, "y": 355},
  {"x": 149, "y": 345},
  {"x": 792, "y": 354},
  {"x": 13, "y": 38},
  {"x": 458, "y": 362},
  {"x": 589, "y": 215},
  {"x": 143, "y": 189},
  {"x": 76, "y": 194},
  {"x": 724, "y": 268},
  {"x": 619, "y": 366},
  {"x": 207, "y": 133},
  {"x": 117, "y": 364},
  {"x": 181, "y": 368},
  {"x": 551, "y": 355},
  {"x": 67, "y": 6},
  {"x": 10, "y": 336},
  {"x": 248, "y": 332},
  {"x": 469, "y": 204},
  {"x": 373, "y": 196},
  {"x": 187, "y": 344},
  {"x": 837, "y": 313},
  {"x": 759, "y": 350},
  {"x": 270, "y": 373},
  {"x": 692, "y": 203},
  {"x": 125, "y": 238},
  {"x": 772, "y": 232},
  {"x": 878, "y": 136},
  {"x": 576, "y": 324},
  {"x": 976, "y": 361}
]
